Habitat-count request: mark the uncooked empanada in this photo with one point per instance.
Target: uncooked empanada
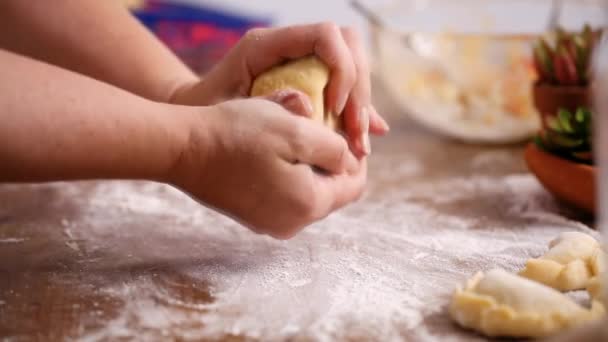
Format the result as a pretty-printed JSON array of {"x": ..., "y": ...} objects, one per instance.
[
  {"x": 598, "y": 269},
  {"x": 308, "y": 75},
  {"x": 566, "y": 266},
  {"x": 504, "y": 304}
]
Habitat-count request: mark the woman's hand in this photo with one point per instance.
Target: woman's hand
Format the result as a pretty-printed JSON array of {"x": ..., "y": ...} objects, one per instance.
[
  {"x": 272, "y": 171},
  {"x": 348, "y": 92}
]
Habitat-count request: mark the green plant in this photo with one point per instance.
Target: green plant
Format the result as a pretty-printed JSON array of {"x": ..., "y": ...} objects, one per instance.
[
  {"x": 568, "y": 135},
  {"x": 566, "y": 61}
]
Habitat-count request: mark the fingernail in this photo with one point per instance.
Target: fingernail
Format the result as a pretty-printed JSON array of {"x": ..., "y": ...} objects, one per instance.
[
  {"x": 281, "y": 96},
  {"x": 308, "y": 103},
  {"x": 341, "y": 104},
  {"x": 385, "y": 126},
  {"x": 297, "y": 103},
  {"x": 364, "y": 124},
  {"x": 293, "y": 100},
  {"x": 367, "y": 146}
]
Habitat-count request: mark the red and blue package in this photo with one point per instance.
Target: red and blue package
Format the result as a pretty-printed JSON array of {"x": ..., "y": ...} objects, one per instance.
[{"x": 199, "y": 35}]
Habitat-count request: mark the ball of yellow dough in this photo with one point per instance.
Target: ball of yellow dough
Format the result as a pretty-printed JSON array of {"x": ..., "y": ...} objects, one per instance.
[{"x": 308, "y": 75}]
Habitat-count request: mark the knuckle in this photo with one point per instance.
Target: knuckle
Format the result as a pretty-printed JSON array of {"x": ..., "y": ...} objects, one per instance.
[
  {"x": 350, "y": 34},
  {"x": 349, "y": 68},
  {"x": 363, "y": 65},
  {"x": 303, "y": 205},
  {"x": 328, "y": 29},
  {"x": 342, "y": 150},
  {"x": 254, "y": 34},
  {"x": 353, "y": 39},
  {"x": 306, "y": 206},
  {"x": 317, "y": 213},
  {"x": 350, "y": 73}
]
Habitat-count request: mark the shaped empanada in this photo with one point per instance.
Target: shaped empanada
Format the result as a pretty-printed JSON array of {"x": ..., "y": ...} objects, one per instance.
[
  {"x": 499, "y": 303},
  {"x": 567, "y": 264},
  {"x": 598, "y": 269}
]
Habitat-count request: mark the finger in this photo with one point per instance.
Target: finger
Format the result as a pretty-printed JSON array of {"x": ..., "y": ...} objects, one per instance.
[
  {"x": 356, "y": 124},
  {"x": 357, "y": 111},
  {"x": 293, "y": 100},
  {"x": 377, "y": 124},
  {"x": 269, "y": 47},
  {"x": 336, "y": 191},
  {"x": 316, "y": 145}
]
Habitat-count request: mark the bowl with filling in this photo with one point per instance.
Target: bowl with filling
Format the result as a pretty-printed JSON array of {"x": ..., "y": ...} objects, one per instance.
[{"x": 465, "y": 68}]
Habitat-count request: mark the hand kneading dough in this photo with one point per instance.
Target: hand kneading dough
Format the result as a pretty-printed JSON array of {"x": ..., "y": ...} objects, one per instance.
[
  {"x": 308, "y": 75},
  {"x": 567, "y": 264},
  {"x": 504, "y": 304}
]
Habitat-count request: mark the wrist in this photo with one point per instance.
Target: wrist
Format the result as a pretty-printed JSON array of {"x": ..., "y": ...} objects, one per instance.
[{"x": 195, "y": 145}]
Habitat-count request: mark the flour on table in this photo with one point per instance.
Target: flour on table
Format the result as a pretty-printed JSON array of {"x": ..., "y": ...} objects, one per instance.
[
  {"x": 12, "y": 240},
  {"x": 384, "y": 267}
]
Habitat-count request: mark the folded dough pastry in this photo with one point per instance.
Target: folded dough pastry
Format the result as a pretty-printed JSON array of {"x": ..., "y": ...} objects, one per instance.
[
  {"x": 308, "y": 75},
  {"x": 499, "y": 303},
  {"x": 598, "y": 269},
  {"x": 567, "y": 264}
]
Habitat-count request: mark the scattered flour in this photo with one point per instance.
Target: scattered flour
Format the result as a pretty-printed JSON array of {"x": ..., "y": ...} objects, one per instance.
[
  {"x": 383, "y": 268},
  {"x": 12, "y": 240}
]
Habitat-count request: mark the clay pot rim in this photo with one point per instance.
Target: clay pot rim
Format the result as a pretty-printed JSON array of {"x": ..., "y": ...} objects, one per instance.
[
  {"x": 561, "y": 88},
  {"x": 548, "y": 154},
  {"x": 549, "y": 85},
  {"x": 547, "y": 168}
]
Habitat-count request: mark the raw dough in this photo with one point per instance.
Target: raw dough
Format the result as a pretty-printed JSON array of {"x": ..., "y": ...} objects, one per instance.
[
  {"x": 504, "y": 304},
  {"x": 308, "y": 75},
  {"x": 598, "y": 269},
  {"x": 567, "y": 264}
]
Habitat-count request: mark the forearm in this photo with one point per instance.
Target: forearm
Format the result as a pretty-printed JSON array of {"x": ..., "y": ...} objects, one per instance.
[
  {"x": 58, "y": 125},
  {"x": 98, "y": 38}
]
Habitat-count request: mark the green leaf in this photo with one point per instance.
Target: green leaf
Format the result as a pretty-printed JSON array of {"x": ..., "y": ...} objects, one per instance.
[
  {"x": 564, "y": 117},
  {"x": 563, "y": 142},
  {"x": 538, "y": 141},
  {"x": 543, "y": 56},
  {"x": 582, "y": 57},
  {"x": 553, "y": 124},
  {"x": 561, "y": 35},
  {"x": 580, "y": 115},
  {"x": 588, "y": 35}
]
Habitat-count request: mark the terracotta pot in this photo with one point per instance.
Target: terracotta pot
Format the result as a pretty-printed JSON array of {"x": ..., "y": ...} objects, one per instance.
[
  {"x": 571, "y": 182},
  {"x": 548, "y": 99}
]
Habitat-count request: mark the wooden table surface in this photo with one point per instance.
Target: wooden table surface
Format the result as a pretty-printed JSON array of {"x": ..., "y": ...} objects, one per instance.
[{"x": 107, "y": 261}]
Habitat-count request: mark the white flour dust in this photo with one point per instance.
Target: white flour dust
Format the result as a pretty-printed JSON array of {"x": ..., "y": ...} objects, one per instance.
[
  {"x": 12, "y": 240},
  {"x": 383, "y": 268}
]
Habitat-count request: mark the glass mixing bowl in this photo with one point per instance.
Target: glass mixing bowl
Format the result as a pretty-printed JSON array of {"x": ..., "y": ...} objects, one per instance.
[{"x": 464, "y": 68}]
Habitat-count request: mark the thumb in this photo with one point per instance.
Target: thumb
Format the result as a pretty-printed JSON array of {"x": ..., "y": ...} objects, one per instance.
[{"x": 293, "y": 100}]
